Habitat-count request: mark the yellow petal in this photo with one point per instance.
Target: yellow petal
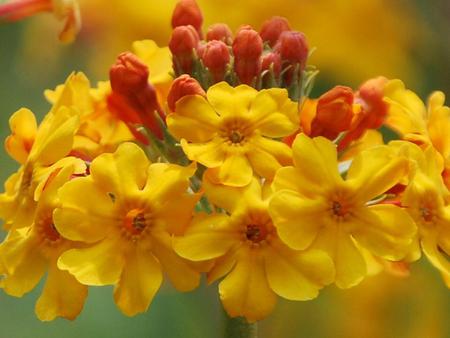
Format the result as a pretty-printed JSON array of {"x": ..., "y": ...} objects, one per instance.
[
  {"x": 62, "y": 296},
  {"x": 208, "y": 236},
  {"x": 263, "y": 162},
  {"x": 23, "y": 132},
  {"x": 231, "y": 101},
  {"x": 23, "y": 262},
  {"x": 278, "y": 149},
  {"x": 99, "y": 264},
  {"x": 236, "y": 171},
  {"x": 375, "y": 171},
  {"x": 122, "y": 172},
  {"x": 222, "y": 266},
  {"x": 54, "y": 138},
  {"x": 194, "y": 119},
  {"x": 385, "y": 230},
  {"x": 349, "y": 263},
  {"x": 317, "y": 160},
  {"x": 229, "y": 198},
  {"x": 297, "y": 220},
  {"x": 139, "y": 282},
  {"x": 436, "y": 257},
  {"x": 181, "y": 272},
  {"x": 246, "y": 291},
  {"x": 297, "y": 275},
  {"x": 86, "y": 213},
  {"x": 210, "y": 154},
  {"x": 157, "y": 59},
  {"x": 274, "y": 114}
]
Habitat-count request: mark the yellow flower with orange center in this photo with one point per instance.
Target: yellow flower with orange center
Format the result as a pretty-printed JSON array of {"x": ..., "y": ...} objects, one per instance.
[
  {"x": 313, "y": 206},
  {"x": 246, "y": 249},
  {"x": 126, "y": 211},
  {"x": 234, "y": 131},
  {"x": 27, "y": 253}
]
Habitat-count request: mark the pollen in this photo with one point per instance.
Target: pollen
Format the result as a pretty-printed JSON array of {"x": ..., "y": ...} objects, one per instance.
[{"x": 135, "y": 223}]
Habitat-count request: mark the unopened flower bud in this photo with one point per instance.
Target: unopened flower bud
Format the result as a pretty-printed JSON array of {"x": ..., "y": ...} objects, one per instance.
[
  {"x": 293, "y": 48},
  {"x": 216, "y": 57},
  {"x": 128, "y": 74},
  {"x": 183, "y": 42},
  {"x": 247, "y": 50},
  {"x": 183, "y": 86},
  {"x": 334, "y": 113},
  {"x": 221, "y": 32},
  {"x": 187, "y": 13},
  {"x": 272, "y": 29},
  {"x": 271, "y": 61}
]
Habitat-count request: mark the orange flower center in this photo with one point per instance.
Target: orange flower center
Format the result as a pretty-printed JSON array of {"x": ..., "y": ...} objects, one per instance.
[
  {"x": 256, "y": 232},
  {"x": 135, "y": 222},
  {"x": 236, "y": 131},
  {"x": 427, "y": 214},
  {"x": 48, "y": 230}
]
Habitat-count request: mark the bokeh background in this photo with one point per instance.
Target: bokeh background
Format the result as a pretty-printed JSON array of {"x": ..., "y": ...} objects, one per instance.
[{"x": 355, "y": 40}]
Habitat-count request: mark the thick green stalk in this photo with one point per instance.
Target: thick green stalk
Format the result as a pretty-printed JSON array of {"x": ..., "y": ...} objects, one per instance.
[{"x": 240, "y": 328}]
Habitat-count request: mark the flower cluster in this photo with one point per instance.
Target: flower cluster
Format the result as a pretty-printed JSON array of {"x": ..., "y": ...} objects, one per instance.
[{"x": 228, "y": 169}]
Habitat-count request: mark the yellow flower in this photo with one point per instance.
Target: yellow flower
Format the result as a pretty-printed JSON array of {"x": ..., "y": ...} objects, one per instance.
[
  {"x": 313, "y": 206},
  {"x": 256, "y": 264},
  {"x": 125, "y": 212},
  {"x": 53, "y": 141},
  {"x": 27, "y": 253},
  {"x": 100, "y": 130},
  {"x": 232, "y": 131},
  {"x": 419, "y": 124},
  {"x": 427, "y": 200}
]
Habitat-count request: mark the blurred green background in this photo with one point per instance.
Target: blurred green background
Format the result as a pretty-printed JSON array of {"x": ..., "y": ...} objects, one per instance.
[{"x": 356, "y": 40}]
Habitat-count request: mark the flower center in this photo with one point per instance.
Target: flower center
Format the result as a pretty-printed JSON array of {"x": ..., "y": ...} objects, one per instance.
[
  {"x": 235, "y": 137},
  {"x": 427, "y": 214},
  {"x": 256, "y": 232},
  {"x": 27, "y": 178},
  {"x": 339, "y": 209},
  {"x": 48, "y": 230},
  {"x": 135, "y": 222}
]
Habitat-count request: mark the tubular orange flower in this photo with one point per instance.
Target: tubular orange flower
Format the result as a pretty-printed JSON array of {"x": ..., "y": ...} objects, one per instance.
[
  {"x": 256, "y": 264},
  {"x": 28, "y": 252},
  {"x": 126, "y": 212},
  {"x": 231, "y": 131},
  {"x": 67, "y": 10},
  {"x": 314, "y": 207}
]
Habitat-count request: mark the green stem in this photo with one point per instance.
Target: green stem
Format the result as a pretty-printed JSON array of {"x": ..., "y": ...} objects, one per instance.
[{"x": 240, "y": 328}]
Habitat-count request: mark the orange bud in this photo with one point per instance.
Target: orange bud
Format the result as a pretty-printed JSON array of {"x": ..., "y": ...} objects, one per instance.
[
  {"x": 221, "y": 32},
  {"x": 129, "y": 82},
  {"x": 293, "y": 48},
  {"x": 186, "y": 13},
  {"x": 128, "y": 74},
  {"x": 272, "y": 29},
  {"x": 183, "y": 42},
  {"x": 334, "y": 113},
  {"x": 216, "y": 57},
  {"x": 183, "y": 86},
  {"x": 247, "y": 50}
]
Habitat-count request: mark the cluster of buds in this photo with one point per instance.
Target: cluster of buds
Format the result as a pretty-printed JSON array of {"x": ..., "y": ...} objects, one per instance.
[{"x": 276, "y": 56}]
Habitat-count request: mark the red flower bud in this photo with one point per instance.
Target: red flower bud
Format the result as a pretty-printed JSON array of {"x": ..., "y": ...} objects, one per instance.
[
  {"x": 293, "y": 48},
  {"x": 183, "y": 42},
  {"x": 272, "y": 29},
  {"x": 271, "y": 59},
  {"x": 216, "y": 57},
  {"x": 186, "y": 13},
  {"x": 128, "y": 74},
  {"x": 334, "y": 113},
  {"x": 221, "y": 32},
  {"x": 183, "y": 86},
  {"x": 247, "y": 50},
  {"x": 129, "y": 82}
]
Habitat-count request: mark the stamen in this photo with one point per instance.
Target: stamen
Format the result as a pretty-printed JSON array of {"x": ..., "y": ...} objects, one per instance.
[
  {"x": 135, "y": 222},
  {"x": 256, "y": 233},
  {"x": 236, "y": 137}
]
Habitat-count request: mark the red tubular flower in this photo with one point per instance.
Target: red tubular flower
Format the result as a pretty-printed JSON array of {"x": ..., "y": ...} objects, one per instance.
[
  {"x": 129, "y": 82},
  {"x": 247, "y": 50},
  {"x": 183, "y": 42},
  {"x": 221, "y": 32},
  {"x": 334, "y": 113},
  {"x": 183, "y": 86},
  {"x": 273, "y": 60},
  {"x": 373, "y": 109},
  {"x": 187, "y": 13},
  {"x": 216, "y": 57},
  {"x": 293, "y": 48},
  {"x": 272, "y": 29}
]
